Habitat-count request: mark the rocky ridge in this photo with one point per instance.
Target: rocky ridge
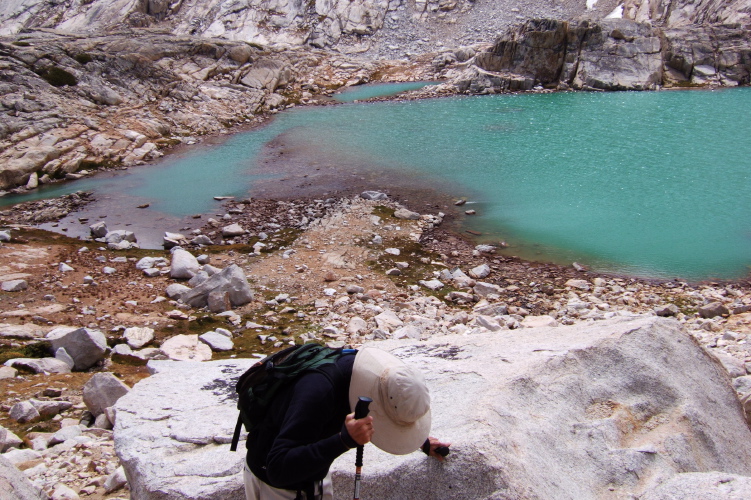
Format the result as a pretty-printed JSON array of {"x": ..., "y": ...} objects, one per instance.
[
  {"x": 392, "y": 28},
  {"x": 361, "y": 270}
]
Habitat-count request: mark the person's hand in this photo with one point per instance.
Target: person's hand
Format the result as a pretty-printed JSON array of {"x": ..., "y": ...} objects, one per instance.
[
  {"x": 361, "y": 430},
  {"x": 436, "y": 443}
]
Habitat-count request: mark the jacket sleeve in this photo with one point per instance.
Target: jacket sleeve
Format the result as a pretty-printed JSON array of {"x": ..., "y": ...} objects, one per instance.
[{"x": 302, "y": 451}]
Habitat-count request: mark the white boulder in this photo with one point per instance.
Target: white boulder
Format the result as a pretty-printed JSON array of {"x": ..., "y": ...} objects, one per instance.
[
  {"x": 14, "y": 285},
  {"x": 40, "y": 365},
  {"x": 186, "y": 348},
  {"x": 8, "y": 440},
  {"x": 217, "y": 341},
  {"x": 137, "y": 337},
  {"x": 184, "y": 264}
]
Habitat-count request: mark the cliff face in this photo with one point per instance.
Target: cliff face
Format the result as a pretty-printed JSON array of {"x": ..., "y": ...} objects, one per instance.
[
  {"x": 676, "y": 13},
  {"x": 611, "y": 54},
  {"x": 390, "y": 27}
]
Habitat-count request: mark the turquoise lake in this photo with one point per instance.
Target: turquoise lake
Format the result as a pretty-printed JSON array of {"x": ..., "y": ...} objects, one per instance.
[{"x": 641, "y": 183}]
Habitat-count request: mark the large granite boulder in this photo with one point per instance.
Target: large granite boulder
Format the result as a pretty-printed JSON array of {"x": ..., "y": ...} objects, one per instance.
[
  {"x": 702, "y": 486},
  {"x": 267, "y": 74},
  {"x": 172, "y": 438},
  {"x": 612, "y": 408},
  {"x": 611, "y": 54}
]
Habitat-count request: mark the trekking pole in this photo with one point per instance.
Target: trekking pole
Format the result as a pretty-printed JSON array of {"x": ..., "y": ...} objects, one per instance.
[{"x": 361, "y": 411}]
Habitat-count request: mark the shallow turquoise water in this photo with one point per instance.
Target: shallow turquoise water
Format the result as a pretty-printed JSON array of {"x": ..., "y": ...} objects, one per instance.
[
  {"x": 368, "y": 91},
  {"x": 652, "y": 184}
]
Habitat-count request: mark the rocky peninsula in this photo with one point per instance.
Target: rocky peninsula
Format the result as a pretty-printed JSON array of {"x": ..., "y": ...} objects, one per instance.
[{"x": 88, "y": 86}]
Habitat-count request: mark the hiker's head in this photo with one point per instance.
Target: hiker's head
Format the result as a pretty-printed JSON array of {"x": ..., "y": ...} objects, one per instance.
[{"x": 401, "y": 401}]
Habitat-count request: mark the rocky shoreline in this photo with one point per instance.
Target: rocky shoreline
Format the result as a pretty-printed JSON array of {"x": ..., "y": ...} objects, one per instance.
[{"x": 339, "y": 271}]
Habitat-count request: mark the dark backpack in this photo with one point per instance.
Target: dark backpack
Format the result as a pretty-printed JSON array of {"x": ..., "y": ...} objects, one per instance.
[{"x": 259, "y": 385}]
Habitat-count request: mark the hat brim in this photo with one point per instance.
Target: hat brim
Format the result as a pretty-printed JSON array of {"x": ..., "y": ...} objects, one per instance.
[{"x": 388, "y": 436}]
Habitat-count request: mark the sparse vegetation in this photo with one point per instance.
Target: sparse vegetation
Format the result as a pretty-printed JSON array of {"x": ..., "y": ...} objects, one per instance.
[{"x": 58, "y": 77}]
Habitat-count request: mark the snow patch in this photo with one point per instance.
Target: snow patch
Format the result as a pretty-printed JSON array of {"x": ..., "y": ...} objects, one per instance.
[{"x": 616, "y": 14}]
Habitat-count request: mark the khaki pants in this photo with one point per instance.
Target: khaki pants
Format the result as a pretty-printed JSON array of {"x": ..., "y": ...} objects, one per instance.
[{"x": 255, "y": 489}]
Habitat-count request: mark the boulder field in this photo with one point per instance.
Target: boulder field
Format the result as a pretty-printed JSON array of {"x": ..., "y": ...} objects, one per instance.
[
  {"x": 589, "y": 411},
  {"x": 359, "y": 270}
]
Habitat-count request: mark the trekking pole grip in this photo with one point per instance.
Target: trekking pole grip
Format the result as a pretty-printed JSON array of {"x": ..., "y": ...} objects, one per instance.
[{"x": 361, "y": 411}]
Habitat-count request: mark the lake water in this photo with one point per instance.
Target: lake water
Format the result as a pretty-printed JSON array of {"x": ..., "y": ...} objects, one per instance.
[
  {"x": 642, "y": 183},
  {"x": 363, "y": 92}
]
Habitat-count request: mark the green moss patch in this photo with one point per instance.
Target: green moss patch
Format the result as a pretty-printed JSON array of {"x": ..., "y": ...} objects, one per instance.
[
  {"x": 41, "y": 349},
  {"x": 83, "y": 58},
  {"x": 58, "y": 77}
]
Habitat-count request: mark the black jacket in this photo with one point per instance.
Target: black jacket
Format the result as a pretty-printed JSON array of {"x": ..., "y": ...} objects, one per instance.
[{"x": 303, "y": 432}]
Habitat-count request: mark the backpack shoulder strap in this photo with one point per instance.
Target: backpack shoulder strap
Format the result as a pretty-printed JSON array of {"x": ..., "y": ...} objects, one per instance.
[{"x": 284, "y": 366}]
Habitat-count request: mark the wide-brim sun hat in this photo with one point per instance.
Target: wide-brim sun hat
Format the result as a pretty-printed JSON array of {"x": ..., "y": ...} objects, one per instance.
[{"x": 401, "y": 400}]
